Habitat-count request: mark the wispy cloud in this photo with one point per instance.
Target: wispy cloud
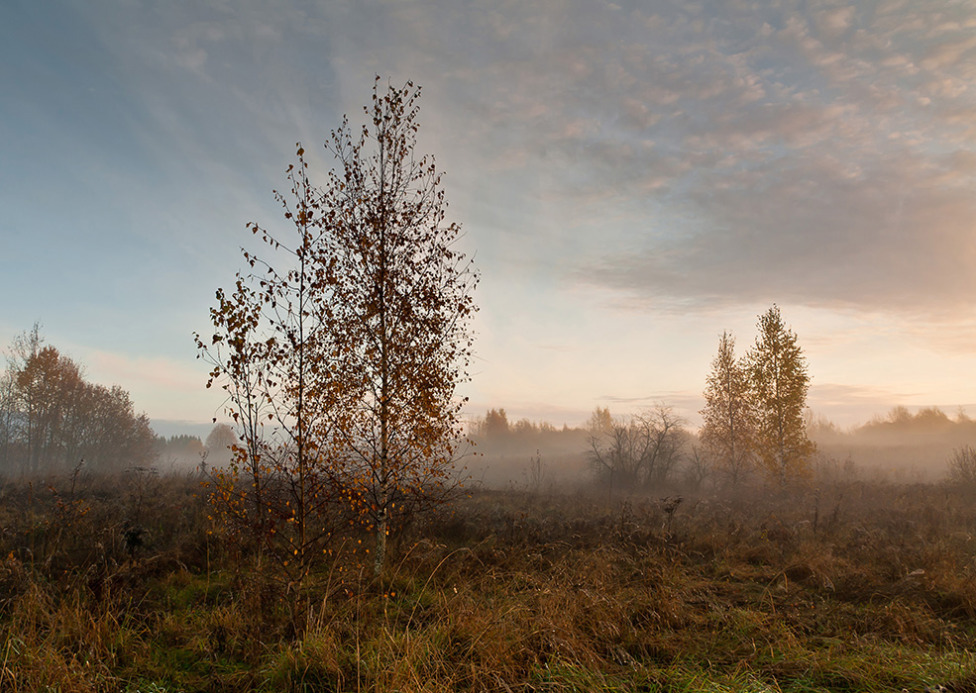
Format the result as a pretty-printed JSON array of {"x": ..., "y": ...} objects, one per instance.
[{"x": 816, "y": 152}]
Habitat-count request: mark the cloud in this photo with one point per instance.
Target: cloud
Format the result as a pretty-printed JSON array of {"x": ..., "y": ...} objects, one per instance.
[
  {"x": 723, "y": 159},
  {"x": 818, "y": 181},
  {"x": 689, "y": 156}
]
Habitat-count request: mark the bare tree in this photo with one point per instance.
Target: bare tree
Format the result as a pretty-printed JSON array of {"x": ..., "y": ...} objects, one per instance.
[
  {"x": 8, "y": 419},
  {"x": 665, "y": 441},
  {"x": 641, "y": 452},
  {"x": 616, "y": 453},
  {"x": 962, "y": 467}
]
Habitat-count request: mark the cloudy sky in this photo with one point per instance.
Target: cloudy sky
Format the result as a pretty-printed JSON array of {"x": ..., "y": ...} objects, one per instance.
[{"x": 633, "y": 178}]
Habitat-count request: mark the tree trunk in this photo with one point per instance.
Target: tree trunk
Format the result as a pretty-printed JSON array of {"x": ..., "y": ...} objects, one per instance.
[{"x": 381, "y": 532}]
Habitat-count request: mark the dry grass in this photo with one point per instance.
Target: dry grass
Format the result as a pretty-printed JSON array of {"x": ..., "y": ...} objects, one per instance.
[{"x": 852, "y": 587}]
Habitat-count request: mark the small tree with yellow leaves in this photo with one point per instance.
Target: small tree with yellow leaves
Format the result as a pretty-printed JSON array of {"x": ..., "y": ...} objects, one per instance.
[
  {"x": 729, "y": 418},
  {"x": 779, "y": 384}
]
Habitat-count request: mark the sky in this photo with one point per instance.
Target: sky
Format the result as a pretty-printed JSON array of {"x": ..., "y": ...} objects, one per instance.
[{"x": 632, "y": 179}]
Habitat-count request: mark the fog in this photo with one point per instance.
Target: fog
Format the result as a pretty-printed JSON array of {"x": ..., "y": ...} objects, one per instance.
[
  {"x": 899, "y": 447},
  {"x": 533, "y": 459}
]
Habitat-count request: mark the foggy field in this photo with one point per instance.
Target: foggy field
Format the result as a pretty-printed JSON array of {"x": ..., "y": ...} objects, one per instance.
[
  {"x": 340, "y": 232},
  {"x": 124, "y": 584}
]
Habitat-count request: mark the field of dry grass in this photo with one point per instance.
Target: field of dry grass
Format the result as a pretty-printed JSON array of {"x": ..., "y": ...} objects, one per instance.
[{"x": 119, "y": 585}]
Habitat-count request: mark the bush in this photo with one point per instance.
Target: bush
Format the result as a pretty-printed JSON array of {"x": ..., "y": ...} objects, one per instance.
[{"x": 962, "y": 467}]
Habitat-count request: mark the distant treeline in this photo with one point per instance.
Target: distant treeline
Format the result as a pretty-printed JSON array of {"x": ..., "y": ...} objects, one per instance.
[
  {"x": 927, "y": 421},
  {"x": 496, "y": 426},
  {"x": 651, "y": 449},
  {"x": 915, "y": 446},
  {"x": 188, "y": 452},
  {"x": 654, "y": 449},
  {"x": 52, "y": 419}
]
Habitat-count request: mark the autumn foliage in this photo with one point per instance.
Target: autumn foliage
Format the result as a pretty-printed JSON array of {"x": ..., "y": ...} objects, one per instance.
[
  {"x": 52, "y": 419},
  {"x": 755, "y": 405},
  {"x": 729, "y": 429},
  {"x": 341, "y": 350}
]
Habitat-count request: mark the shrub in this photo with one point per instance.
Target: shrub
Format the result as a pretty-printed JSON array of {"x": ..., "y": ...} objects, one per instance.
[{"x": 962, "y": 467}]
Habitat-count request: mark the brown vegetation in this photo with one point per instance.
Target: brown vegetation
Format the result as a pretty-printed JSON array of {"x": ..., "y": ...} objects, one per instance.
[{"x": 123, "y": 584}]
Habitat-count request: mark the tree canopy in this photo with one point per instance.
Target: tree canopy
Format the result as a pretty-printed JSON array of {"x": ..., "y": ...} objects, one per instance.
[
  {"x": 779, "y": 383},
  {"x": 353, "y": 342},
  {"x": 52, "y": 419}
]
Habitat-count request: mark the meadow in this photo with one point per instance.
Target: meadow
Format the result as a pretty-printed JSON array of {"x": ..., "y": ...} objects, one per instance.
[{"x": 126, "y": 584}]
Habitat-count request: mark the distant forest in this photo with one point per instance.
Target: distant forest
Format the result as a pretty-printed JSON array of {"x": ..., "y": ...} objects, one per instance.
[
  {"x": 899, "y": 446},
  {"x": 52, "y": 420}
]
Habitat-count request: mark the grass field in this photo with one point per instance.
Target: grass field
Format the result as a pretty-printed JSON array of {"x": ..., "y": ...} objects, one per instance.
[{"x": 124, "y": 585}]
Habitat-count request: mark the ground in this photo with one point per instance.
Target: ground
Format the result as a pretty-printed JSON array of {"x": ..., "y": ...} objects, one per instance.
[{"x": 840, "y": 586}]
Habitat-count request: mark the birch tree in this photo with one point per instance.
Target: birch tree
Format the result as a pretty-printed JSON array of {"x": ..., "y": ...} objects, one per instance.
[
  {"x": 273, "y": 353},
  {"x": 403, "y": 301},
  {"x": 779, "y": 383},
  {"x": 728, "y": 432},
  {"x": 351, "y": 351}
]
